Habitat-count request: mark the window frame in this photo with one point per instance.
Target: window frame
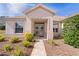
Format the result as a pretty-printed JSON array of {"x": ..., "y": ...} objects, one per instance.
[{"x": 20, "y": 28}]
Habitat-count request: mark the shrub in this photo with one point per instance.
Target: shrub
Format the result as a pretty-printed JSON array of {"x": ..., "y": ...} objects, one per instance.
[
  {"x": 52, "y": 42},
  {"x": 2, "y": 27},
  {"x": 26, "y": 43},
  {"x": 71, "y": 31},
  {"x": 7, "y": 47},
  {"x": 14, "y": 39},
  {"x": 1, "y": 38},
  {"x": 28, "y": 36},
  {"x": 76, "y": 45},
  {"x": 18, "y": 52}
]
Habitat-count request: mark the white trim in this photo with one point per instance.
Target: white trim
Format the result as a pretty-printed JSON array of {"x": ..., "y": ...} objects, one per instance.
[
  {"x": 18, "y": 33},
  {"x": 25, "y": 12}
]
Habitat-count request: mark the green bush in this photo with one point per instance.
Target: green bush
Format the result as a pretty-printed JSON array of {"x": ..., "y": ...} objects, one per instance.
[
  {"x": 18, "y": 52},
  {"x": 2, "y": 27},
  {"x": 1, "y": 38},
  {"x": 29, "y": 36},
  {"x": 76, "y": 45},
  {"x": 14, "y": 39},
  {"x": 71, "y": 31},
  {"x": 26, "y": 43},
  {"x": 7, "y": 47},
  {"x": 52, "y": 42}
]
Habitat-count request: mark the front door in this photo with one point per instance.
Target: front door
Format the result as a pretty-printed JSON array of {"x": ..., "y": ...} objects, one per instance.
[{"x": 39, "y": 30}]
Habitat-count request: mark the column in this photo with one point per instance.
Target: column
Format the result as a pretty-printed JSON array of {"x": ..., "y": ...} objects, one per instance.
[
  {"x": 50, "y": 28},
  {"x": 28, "y": 25}
]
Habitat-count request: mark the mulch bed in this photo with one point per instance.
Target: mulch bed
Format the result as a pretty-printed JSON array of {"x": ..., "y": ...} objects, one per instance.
[
  {"x": 27, "y": 51},
  {"x": 61, "y": 49}
]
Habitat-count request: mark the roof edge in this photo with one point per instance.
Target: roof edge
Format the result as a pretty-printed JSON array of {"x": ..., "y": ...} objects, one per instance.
[{"x": 41, "y": 5}]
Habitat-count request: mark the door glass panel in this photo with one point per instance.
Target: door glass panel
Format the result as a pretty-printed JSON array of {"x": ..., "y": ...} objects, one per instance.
[
  {"x": 36, "y": 27},
  {"x": 42, "y": 28}
]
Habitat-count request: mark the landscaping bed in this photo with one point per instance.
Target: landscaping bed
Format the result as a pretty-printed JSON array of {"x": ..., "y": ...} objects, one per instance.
[
  {"x": 60, "y": 49},
  {"x": 26, "y": 50}
]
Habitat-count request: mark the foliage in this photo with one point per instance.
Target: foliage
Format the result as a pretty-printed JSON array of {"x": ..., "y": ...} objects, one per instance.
[
  {"x": 18, "y": 52},
  {"x": 1, "y": 38},
  {"x": 52, "y": 42},
  {"x": 76, "y": 45},
  {"x": 26, "y": 43},
  {"x": 71, "y": 31},
  {"x": 28, "y": 36},
  {"x": 7, "y": 47},
  {"x": 14, "y": 39},
  {"x": 2, "y": 27}
]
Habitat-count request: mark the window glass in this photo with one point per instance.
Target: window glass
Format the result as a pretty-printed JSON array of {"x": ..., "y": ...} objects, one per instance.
[
  {"x": 55, "y": 29},
  {"x": 19, "y": 27},
  {"x": 42, "y": 27},
  {"x": 36, "y": 27}
]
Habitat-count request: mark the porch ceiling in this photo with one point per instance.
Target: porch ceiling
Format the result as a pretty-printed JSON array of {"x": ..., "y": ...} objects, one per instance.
[{"x": 39, "y": 20}]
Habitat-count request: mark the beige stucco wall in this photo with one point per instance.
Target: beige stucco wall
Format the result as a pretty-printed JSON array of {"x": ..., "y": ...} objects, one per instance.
[
  {"x": 59, "y": 26},
  {"x": 28, "y": 23},
  {"x": 41, "y": 15},
  {"x": 50, "y": 28},
  {"x": 10, "y": 27},
  {"x": 38, "y": 15}
]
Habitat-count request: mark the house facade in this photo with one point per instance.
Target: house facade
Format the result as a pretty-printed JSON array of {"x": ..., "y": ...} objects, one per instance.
[{"x": 39, "y": 20}]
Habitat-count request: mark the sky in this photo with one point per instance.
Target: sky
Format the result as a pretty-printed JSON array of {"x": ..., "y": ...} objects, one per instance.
[{"x": 16, "y": 9}]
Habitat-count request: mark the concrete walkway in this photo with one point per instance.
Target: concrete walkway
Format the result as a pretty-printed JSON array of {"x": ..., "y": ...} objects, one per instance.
[{"x": 39, "y": 49}]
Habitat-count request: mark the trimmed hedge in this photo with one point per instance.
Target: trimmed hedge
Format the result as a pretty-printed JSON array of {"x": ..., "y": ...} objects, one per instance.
[{"x": 71, "y": 31}]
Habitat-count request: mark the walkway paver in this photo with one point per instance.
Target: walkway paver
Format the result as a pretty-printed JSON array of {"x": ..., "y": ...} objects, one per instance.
[{"x": 39, "y": 49}]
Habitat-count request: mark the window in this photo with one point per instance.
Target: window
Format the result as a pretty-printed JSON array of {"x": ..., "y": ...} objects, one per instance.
[
  {"x": 19, "y": 27},
  {"x": 55, "y": 29},
  {"x": 55, "y": 26}
]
